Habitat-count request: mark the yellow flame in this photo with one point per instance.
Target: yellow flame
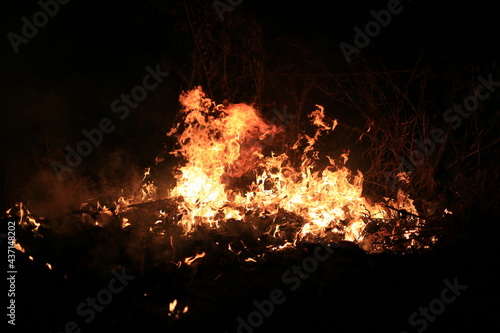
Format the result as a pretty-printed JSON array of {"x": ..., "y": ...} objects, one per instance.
[
  {"x": 19, "y": 247},
  {"x": 190, "y": 260},
  {"x": 172, "y": 305},
  {"x": 125, "y": 223},
  {"x": 222, "y": 145}
]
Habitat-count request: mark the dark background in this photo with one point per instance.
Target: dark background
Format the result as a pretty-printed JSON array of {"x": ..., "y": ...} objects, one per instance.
[{"x": 264, "y": 52}]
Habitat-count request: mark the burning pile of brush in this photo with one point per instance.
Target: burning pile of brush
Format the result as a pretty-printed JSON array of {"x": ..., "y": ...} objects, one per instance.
[{"x": 230, "y": 178}]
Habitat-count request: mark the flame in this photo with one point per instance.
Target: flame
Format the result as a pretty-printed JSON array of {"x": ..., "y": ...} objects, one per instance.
[
  {"x": 125, "y": 223},
  {"x": 19, "y": 247},
  {"x": 190, "y": 260},
  {"x": 228, "y": 171},
  {"x": 222, "y": 145},
  {"x": 216, "y": 142},
  {"x": 172, "y": 309},
  {"x": 172, "y": 305}
]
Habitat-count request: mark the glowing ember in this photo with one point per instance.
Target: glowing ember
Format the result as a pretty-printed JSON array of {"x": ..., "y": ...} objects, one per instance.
[
  {"x": 125, "y": 223},
  {"x": 190, "y": 260},
  {"x": 172, "y": 305},
  {"x": 18, "y": 246},
  {"x": 173, "y": 311}
]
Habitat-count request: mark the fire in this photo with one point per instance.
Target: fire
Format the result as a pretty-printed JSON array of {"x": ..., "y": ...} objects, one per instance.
[
  {"x": 175, "y": 311},
  {"x": 190, "y": 260},
  {"x": 172, "y": 305},
  {"x": 221, "y": 145},
  {"x": 216, "y": 143},
  {"x": 229, "y": 174},
  {"x": 19, "y": 247},
  {"x": 125, "y": 223}
]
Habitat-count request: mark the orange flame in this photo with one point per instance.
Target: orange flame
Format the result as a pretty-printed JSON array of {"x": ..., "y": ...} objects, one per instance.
[
  {"x": 220, "y": 144},
  {"x": 190, "y": 260}
]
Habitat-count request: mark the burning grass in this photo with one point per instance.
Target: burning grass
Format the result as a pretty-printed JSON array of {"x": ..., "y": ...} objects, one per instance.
[
  {"x": 232, "y": 184},
  {"x": 237, "y": 212}
]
